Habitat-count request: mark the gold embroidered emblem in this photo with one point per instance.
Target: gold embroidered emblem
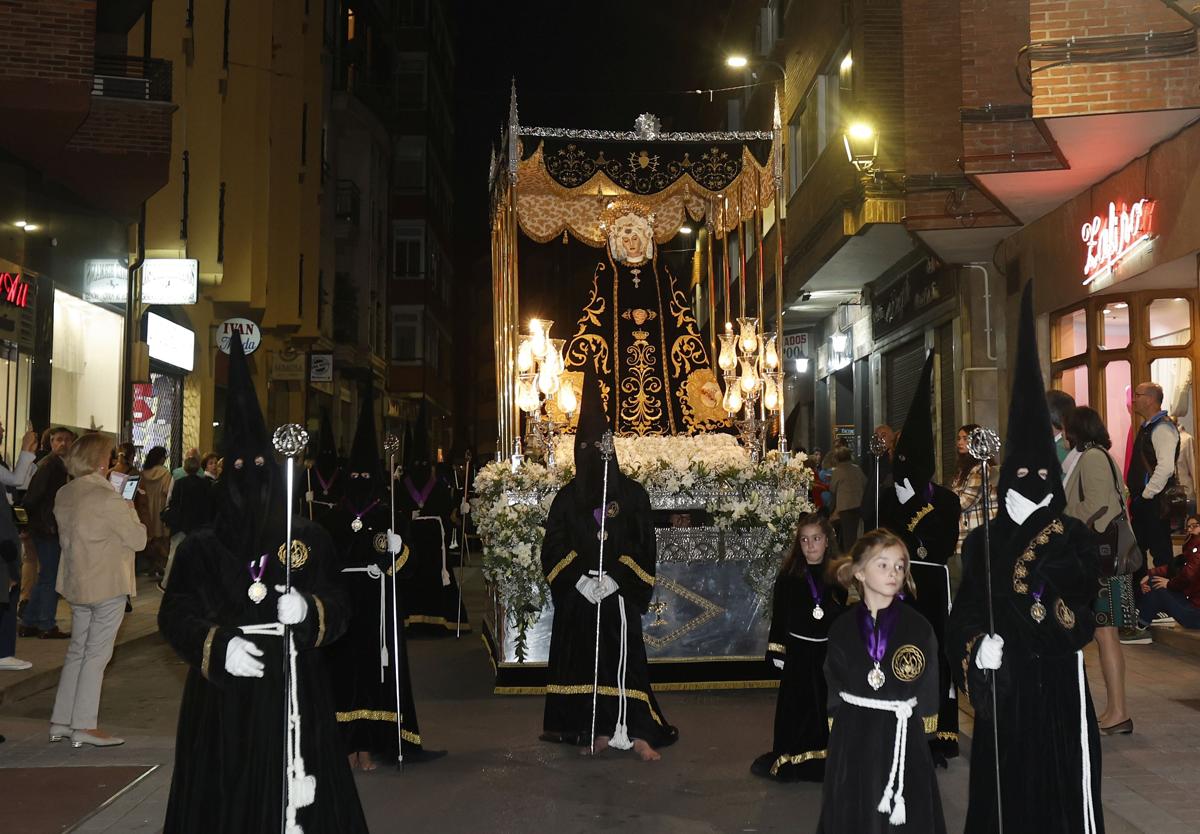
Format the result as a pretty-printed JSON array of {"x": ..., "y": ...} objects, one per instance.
[
  {"x": 639, "y": 315},
  {"x": 299, "y": 554},
  {"x": 908, "y": 663},
  {"x": 380, "y": 542},
  {"x": 1021, "y": 569},
  {"x": 1064, "y": 614}
]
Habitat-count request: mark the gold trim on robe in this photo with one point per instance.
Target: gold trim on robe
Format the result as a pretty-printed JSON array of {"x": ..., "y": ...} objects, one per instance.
[
  {"x": 566, "y": 560},
  {"x": 628, "y": 561}
]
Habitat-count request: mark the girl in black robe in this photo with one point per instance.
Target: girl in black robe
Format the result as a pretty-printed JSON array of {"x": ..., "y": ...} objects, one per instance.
[
  {"x": 805, "y": 604},
  {"x": 229, "y": 749},
  {"x": 882, "y": 674}
]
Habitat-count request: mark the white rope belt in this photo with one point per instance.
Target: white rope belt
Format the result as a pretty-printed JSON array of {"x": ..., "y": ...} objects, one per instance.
[
  {"x": 383, "y": 648},
  {"x": 620, "y": 737},
  {"x": 302, "y": 790},
  {"x": 893, "y": 792},
  {"x": 808, "y": 639},
  {"x": 1089, "y": 808},
  {"x": 442, "y": 541}
]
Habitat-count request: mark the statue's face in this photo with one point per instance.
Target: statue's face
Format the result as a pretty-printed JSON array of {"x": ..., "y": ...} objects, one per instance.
[{"x": 632, "y": 233}]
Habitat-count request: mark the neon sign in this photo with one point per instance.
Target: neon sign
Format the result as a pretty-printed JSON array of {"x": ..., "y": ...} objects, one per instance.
[
  {"x": 1111, "y": 238},
  {"x": 13, "y": 289}
]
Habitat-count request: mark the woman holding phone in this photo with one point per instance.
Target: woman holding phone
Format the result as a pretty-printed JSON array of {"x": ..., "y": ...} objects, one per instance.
[{"x": 100, "y": 532}]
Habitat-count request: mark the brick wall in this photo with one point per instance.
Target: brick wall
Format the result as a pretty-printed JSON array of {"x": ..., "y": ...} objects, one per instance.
[
  {"x": 933, "y": 78},
  {"x": 879, "y": 81},
  {"x": 1076, "y": 89},
  {"x": 47, "y": 39},
  {"x": 114, "y": 126}
]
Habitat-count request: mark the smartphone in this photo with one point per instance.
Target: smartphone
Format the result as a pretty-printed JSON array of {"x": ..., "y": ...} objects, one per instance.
[{"x": 129, "y": 489}]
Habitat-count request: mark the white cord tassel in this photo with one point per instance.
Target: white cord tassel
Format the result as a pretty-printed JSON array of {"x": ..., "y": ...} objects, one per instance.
[
  {"x": 1089, "y": 807},
  {"x": 620, "y": 737},
  {"x": 893, "y": 793}
]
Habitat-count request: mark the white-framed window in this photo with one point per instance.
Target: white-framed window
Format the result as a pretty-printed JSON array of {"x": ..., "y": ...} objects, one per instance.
[
  {"x": 406, "y": 333},
  {"x": 408, "y": 250}
]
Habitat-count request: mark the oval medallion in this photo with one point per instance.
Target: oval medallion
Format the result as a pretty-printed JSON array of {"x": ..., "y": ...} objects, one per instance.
[
  {"x": 299, "y": 554},
  {"x": 1064, "y": 614}
]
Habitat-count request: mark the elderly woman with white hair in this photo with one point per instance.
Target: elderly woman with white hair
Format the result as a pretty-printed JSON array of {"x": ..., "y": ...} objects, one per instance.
[{"x": 100, "y": 533}]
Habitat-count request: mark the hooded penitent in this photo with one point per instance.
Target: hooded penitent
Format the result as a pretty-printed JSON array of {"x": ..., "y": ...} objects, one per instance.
[
  {"x": 1031, "y": 464},
  {"x": 250, "y": 505},
  {"x": 914, "y": 456},
  {"x": 327, "y": 456},
  {"x": 420, "y": 465},
  {"x": 364, "y": 468},
  {"x": 589, "y": 466}
]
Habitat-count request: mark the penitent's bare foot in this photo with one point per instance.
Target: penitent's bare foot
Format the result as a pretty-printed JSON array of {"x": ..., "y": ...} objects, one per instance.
[
  {"x": 601, "y": 746},
  {"x": 645, "y": 751},
  {"x": 353, "y": 757},
  {"x": 365, "y": 762}
]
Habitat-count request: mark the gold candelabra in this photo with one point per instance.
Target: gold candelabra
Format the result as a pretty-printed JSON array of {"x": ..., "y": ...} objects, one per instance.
[{"x": 540, "y": 379}]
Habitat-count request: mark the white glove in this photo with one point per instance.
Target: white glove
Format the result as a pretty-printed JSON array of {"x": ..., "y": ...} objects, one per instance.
[
  {"x": 589, "y": 588},
  {"x": 991, "y": 652},
  {"x": 374, "y": 572},
  {"x": 395, "y": 543},
  {"x": 905, "y": 491},
  {"x": 464, "y": 507},
  {"x": 292, "y": 608},
  {"x": 308, "y": 496},
  {"x": 778, "y": 663},
  {"x": 605, "y": 586},
  {"x": 241, "y": 659},
  {"x": 1020, "y": 508}
]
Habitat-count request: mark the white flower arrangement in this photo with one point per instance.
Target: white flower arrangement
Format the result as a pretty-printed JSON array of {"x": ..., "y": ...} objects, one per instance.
[{"x": 510, "y": 507}]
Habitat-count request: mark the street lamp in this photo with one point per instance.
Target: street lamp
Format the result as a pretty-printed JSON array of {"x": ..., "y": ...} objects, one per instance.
[
  {"x": 862, "y": 146},
  {"x": 737, "y": 61}
]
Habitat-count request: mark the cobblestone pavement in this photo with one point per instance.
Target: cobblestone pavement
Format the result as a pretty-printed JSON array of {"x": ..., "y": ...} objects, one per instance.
[{"x": 499, "y": 777}]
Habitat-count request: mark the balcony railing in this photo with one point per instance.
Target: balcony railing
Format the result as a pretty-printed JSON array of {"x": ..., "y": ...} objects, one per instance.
[
  {"x": 346, "y": 201},
  {"x": 131, "y": 77}
]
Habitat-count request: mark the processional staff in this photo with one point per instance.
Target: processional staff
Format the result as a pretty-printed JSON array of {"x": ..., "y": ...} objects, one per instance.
[
  {"x": 391, "y": 445},
  {"x": 606, "y": 454},
  {"x": 983, "y": 445},
  {"x": 878, "y": 447}
]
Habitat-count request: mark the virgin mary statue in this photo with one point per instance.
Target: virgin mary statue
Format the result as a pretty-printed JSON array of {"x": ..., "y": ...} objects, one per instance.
[{"x": 639, "y": 334}]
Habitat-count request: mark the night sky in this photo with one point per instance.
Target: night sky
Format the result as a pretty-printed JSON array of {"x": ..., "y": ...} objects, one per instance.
[{"x": 582, "y": 65}]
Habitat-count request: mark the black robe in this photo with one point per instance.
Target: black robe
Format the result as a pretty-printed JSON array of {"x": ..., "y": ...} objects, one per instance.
[
  {"x": 569, "y": 551},
  {"x": 1038, "y": 682},
  {"x": 366, "y": 705},
  {"x": 325, "y": 497},
  {"x": 229, "y": 749},
  {"x": 798, "y": 640},
  {"x": 861, "y": 740},
  {"x": 928, "y": 524},
  {"x": 430, "y": 597}
]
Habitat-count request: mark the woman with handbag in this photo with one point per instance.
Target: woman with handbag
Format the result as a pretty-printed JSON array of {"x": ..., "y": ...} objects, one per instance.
[{"x": 1094, "y": 496}]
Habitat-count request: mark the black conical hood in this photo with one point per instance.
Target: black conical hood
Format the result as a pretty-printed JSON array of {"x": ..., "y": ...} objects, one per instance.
[
  {"x": 593, "y": 423},
  {"x": 914, "y": 457},
  {"x": 364, "y": 452},
  {"x": 421, "y": 464},
  {"x": 1030, "y": 443},
  {"x": 407, "y": 459},
  {"x": 327, "y": 457},
  {"x": 244, "y": 432}
]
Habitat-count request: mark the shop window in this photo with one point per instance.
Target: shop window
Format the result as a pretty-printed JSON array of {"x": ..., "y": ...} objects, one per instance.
[
  {"x": 15, "y": 369},
  {"x": 1118, "y": 400},
  {"x": 1174, "y": 374},
  {"x": 85, "y": 388},
  {"x": 1074, "y": 381},
  {"x": 157, "y": 413},
  {"x": 1068, "y": 335},
  {"x": 1113, "y": 326},
  {"x": 1170, "y": 322}
]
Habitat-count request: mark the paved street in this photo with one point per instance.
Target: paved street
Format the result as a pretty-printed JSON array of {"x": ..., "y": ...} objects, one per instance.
[{"x": 499, "y": 777}]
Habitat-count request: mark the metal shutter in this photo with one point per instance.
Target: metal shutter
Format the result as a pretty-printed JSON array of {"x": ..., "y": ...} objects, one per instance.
[{"x": 902, "y": 372}]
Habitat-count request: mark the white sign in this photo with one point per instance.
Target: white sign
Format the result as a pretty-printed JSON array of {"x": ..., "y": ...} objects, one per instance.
[
  {"x": 1107, "y": 240},
  {"x": 170, "y": 343},
  {"x": 320, "y": 367},
  {"x": 288, "y": 364},
  {"x": 251, "y": 335},
  {"x": 795, "y": 345},
  {"x": 105, "y": 281},
  {"x": 170, "y": 280}
]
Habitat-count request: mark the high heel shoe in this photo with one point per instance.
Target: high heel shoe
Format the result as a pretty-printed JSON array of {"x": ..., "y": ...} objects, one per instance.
[
  {"x": 1123, "y": 729},
  {"x": 59, "y": 732}
]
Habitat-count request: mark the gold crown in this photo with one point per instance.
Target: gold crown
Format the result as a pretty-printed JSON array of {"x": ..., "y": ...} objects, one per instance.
[{"x": 619, "y": 207}]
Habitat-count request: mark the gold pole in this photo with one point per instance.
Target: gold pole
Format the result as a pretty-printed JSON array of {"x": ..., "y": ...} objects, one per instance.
[
  {"x": 741, "y": 255},
  {"x": 514, "y": 311},
  {"x": 725, "y": 261},
  {"x": 781, "y": 171},
  {"x": 762, "y": 255},
  {"x": 497, "y": 256},
  {"x": 712, "y": 295}
]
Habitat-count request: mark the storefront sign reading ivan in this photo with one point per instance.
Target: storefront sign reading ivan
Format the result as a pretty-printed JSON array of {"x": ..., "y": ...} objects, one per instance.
[
  {"x": 1110, "y": 239},
  {"x": 248, "y": 330}
]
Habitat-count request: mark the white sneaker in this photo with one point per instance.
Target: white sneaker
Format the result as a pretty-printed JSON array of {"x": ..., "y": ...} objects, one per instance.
[
  {"x": 1163, "y": 618},
  {"x": 14, "y": 664}
]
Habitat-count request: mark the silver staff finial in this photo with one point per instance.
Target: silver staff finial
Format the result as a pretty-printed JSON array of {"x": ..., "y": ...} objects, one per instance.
[
  {"x": 983, "y": 444},
  {"x": 877, "y": 445},
  {"x": 606, "y": 445},
  {"x": 391, "y": 443},
  {"x": 289, "y": 440}
]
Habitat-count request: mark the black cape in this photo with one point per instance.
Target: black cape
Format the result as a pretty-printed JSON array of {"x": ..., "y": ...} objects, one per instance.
[
  {"x": 229, "y": 751},
  {"x": 569, "y": 551},
  {"x": 798, "y": 640},
  {"x": 430, "y": 596},
  {"x": 928, "y": 524},
  {"x": 861, "y": 740},
  {"x": 1038, "y": 684},
  {"x": 366, "y": 705}
]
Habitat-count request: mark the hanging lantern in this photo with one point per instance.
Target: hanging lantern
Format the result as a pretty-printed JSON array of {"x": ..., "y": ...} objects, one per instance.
[{"x": 748, "y": 335}]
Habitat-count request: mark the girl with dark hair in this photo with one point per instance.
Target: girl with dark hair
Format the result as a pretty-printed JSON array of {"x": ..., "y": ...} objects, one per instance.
[
  {"x": 805, "y": 603},
  {"x": 1095, "y": 497},
  {"x": 882, "y": 673}
]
